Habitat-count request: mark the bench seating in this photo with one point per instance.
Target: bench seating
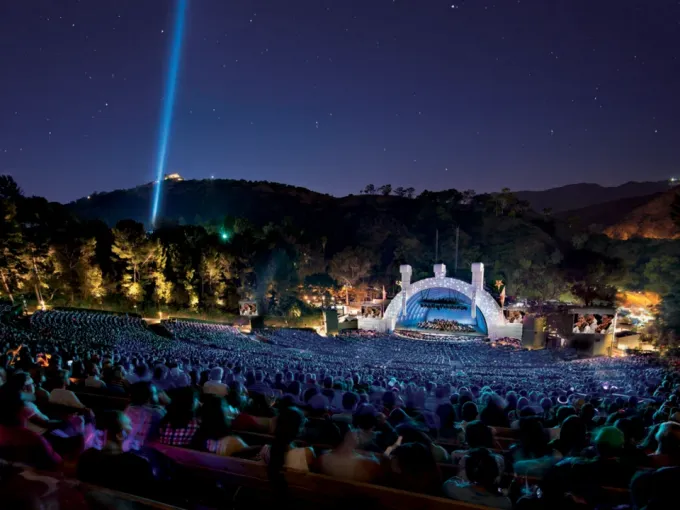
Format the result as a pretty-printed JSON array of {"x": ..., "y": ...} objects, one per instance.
[{"x": 307, "y": 486}]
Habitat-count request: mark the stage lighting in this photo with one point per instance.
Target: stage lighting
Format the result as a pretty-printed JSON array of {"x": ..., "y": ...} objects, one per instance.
[{"x": 168, "y": 104}]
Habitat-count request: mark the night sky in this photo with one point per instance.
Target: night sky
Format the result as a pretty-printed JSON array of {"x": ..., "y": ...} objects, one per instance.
[{"x": 335, "y": 94}]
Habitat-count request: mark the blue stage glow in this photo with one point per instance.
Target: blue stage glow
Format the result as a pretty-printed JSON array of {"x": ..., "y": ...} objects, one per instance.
[{"x": 168, "y": 104}]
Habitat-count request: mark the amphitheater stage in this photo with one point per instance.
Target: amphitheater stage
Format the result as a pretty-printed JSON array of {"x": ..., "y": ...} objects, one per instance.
[{"x": 437, "y": 335}]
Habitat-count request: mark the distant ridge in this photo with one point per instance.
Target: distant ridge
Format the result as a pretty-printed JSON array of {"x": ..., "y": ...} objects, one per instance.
[
  {"x": 651, "y": 220},
  {"x": 581, "y": 195},
  {"x": 198, "y": 201}
]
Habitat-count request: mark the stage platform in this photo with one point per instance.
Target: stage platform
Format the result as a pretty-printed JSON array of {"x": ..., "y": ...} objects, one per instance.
[{"x": 437, "y": 335}]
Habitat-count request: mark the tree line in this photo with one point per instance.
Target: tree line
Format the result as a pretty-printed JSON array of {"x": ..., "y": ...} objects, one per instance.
[{"x": 348, "y": 251}]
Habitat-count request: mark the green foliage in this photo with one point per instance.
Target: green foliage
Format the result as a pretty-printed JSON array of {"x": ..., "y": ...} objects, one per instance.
[{"x": 281, "y": 239}]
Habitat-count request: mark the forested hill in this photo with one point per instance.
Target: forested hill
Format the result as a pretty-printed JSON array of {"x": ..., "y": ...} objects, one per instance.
[
  {"x": 582, "y": 195},
  {"x": 220, "y": 241},
  {"x": 205, "y": 201}
]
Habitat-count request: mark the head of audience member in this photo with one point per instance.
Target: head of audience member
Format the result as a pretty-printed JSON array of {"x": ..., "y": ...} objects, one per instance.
[
  {"x": 143, "y": 393},
  {"x": 61, "y": 379},
  {"x": 237, "y": 396},
  {"x": 564, "y": 412},
  {"x": 365, "y": 418},
  {"x": 22, "y": 384},
  {"x": 116, "y": 426},
  {"x": 668, "y": 440},
  {"x": 350, "y": 400},
  {"x": 479, "y": 435},
  {"x": 446, "y": 414},
  {"x": 481, "y": 468},
  {"x": 11, "y": 409},
  {"x": 413, "y": 468},
  {"x": 533, "y": 440},
  {"x": 182, "y": 408},
  {"x": 609, "y": 442},
  {"x": 469, "y": 412},
  {"x": 397, "y": 417},
  {"x": 294, "y": 388},
  {"x": 289, "y": 426},
  {"x": 216, "y": 418},
  {"x": 216, "y": 374},
  {"x": 573, "y": 436}
]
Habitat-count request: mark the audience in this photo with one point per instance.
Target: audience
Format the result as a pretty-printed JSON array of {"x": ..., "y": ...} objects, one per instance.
[{"x": 375, "y": 407}]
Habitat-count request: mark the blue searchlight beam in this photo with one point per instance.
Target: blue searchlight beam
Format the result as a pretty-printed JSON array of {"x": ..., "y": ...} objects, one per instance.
[{"x": 168, "y": 104}]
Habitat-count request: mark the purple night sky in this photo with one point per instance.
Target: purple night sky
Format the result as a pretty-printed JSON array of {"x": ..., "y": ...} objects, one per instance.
[{"x": 335, "y": 94}]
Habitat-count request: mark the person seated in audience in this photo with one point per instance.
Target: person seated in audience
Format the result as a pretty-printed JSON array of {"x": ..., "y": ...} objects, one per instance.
[
  {"x": 667, "y": 453},
  {"x": 258, "y": 411},
  {"x": 258, "y": 385},
  {"x": 447, "y": 429},
  {"x": 145, "y": 415},
  {"x": 345, "y": 462},
  {"x": 586, "y": 478},
  {"x": 283, "y": 453},
  {"x": 60, "y": 395},
  {"x": 413, "y": 468},
  {"x": 180, "y": 424},
  {"x": 320, "y": 429},
  {"x": 93, "y": 380},
  {"x": 480, "y": 485},
  {"x": 477, "y": 435},
  {"x": 214, "y": 385},
  {"x": 21, "y": 383},
  {"x": 374, "y": 434},
  {"x": 573, "y": 438},
  {"x": 215, "y": 434},
  {"x": 42, "y": 396},
  {"x": 350, "y": 401},
  {"x": 468, "y": 414},
  {"x": 117, "y": 383},
  {"x": 17, "y": 442},
  {"x": 493, "y": 413},
  {"x": 633, "y": 432},
  {"x": 533, "y": 441},
  {"x": 135, "y": 472},
  {"x": 655, "y": 490},
  {"x": 410, "y": 432}
]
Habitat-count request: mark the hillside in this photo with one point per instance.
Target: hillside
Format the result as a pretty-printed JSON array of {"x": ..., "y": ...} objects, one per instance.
[
  {"x": 606, "y": 214},
  {"x": 651, "y": 220},
  {"x": 581, "y": 195},
  {"x": 200, "y": 201}
]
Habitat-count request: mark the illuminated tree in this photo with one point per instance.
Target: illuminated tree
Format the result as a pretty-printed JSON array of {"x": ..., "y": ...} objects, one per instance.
[
  {"x": 91, "y": 277},
  {"x": 350, "y": 266},
  {"x": 132, "y": 247}
]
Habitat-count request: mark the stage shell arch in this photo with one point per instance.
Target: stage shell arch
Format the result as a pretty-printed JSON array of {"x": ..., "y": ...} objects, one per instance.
[{"x": 405, "y": 309}]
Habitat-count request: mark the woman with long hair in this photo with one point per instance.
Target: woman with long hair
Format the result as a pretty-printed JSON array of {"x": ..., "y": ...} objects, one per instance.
[
  {"x": 215, "y": 434},
  {"x": 180, "y": 424},
  {"x": 283, "y": 452}
]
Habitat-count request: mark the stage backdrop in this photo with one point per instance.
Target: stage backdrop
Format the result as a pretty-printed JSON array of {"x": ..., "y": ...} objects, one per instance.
[{"x": 446, "y": 304}]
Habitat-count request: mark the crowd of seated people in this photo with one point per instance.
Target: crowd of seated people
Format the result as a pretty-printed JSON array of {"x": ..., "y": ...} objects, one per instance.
[
  {"x": 455, "y": 419},
  {"x": 449, "y": 326}
]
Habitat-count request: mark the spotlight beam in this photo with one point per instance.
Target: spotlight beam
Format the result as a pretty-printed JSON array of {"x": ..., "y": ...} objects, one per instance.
[{"x": 168, "y": 104}]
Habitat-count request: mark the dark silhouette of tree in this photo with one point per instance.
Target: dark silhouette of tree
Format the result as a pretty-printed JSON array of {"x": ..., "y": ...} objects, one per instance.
[{"x": 385, "y": 189}]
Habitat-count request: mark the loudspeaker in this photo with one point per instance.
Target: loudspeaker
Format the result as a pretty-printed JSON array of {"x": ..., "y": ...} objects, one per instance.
[
  {"x": 330, "y": 322},
  {"x": 257, "y": 322}
]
